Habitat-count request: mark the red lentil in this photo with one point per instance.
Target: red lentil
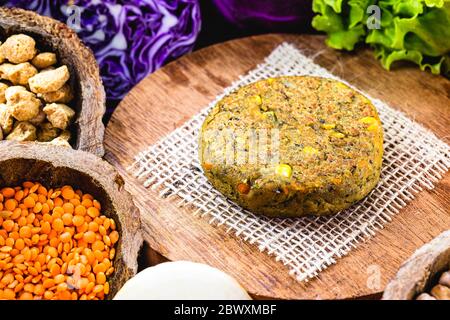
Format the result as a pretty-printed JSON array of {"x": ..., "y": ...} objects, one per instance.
[{"x": 54, "y": 244}]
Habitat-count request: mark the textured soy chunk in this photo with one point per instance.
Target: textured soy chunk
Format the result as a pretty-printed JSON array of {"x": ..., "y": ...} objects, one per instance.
[
  {"x": 17, "y": 74},
  {"x": 6, "y": 119},
  {"x": 49, "y": 81},
  {"x": 44, "y": 60},
  {"x": 18, "y": 48},
  {"x": 23, "y": 131},
  {"x": 23, "y": 104},
  {"x": 63, "y": 139},
  {"x": 59, "y": 115},
  {"x": 3, "y": 87},
  {"x": 47, "y": 132},
  {"x": 62, "y": 95},
  {"x": 39, "y": 119}
]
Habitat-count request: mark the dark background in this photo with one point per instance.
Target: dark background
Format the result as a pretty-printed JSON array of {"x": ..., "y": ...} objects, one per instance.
[{"x": 216, "y": 29}]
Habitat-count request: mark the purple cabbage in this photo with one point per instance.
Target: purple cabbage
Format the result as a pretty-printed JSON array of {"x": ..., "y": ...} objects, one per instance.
[
  {"x": 130, "y": 38},
  {"x": 273, "y": 15}
]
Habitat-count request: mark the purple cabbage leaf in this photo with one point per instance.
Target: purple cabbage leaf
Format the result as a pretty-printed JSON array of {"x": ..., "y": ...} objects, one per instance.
[{"x": 130, "y": 38}]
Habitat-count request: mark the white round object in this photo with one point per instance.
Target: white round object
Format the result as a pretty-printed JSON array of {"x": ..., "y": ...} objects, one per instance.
[{"x": 182, "y": 280}]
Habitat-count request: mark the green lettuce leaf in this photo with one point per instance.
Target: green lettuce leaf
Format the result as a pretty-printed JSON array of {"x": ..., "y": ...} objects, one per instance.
[
  {"x": 428, "y": 31},
  {"x": 411, "y": 30},
  {"x": 387, "y": 58},
  {"x": 342, "y": 20}
]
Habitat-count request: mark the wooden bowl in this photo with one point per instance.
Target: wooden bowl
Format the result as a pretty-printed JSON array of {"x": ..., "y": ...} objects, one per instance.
[
  {"x": 420, "y": 272},
  {"x": 89, "y": 103},
  {"x": 54, "y": 166}
]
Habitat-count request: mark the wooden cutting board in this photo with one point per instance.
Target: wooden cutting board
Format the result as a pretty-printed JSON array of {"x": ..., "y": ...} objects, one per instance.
[{"x": 169, "y": 97}]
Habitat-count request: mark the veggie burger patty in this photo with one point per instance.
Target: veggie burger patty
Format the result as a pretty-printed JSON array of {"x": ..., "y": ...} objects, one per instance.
[{"x": 293, "y": 146}]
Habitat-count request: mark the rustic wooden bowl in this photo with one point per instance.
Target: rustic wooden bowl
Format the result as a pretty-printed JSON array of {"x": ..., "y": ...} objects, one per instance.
[
  {"x": 89, "y": 103},
  {"x": 420, "y": 272},
  {"x": 56, "y": 166}
]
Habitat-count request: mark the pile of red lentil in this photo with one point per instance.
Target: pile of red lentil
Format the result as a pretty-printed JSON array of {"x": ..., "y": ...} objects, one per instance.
[{"x": 54, "y": 244}]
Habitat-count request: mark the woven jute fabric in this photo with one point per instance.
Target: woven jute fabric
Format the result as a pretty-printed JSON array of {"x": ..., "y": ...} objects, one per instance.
[{"x": 414, "y": 158}]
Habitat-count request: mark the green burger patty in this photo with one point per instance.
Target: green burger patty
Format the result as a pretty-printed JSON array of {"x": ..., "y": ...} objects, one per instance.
[{"x": 293, "y": 146}]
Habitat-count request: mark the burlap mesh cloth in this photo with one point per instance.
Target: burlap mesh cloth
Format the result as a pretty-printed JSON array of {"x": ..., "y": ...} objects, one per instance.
[{"x": 414, "y": 159}]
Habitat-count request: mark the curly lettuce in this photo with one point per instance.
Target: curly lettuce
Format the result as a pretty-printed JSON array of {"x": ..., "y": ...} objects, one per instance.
[
  {"x": 342, "y": 20},
  {"x": 412, "y": 30}
]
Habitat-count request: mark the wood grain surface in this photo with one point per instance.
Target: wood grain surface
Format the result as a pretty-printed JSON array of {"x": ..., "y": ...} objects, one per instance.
[{"x": 169, "y": 97}]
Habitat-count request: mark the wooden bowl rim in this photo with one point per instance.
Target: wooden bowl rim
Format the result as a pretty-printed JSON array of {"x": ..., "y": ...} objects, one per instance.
[{"x": 417, "y": 273}]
